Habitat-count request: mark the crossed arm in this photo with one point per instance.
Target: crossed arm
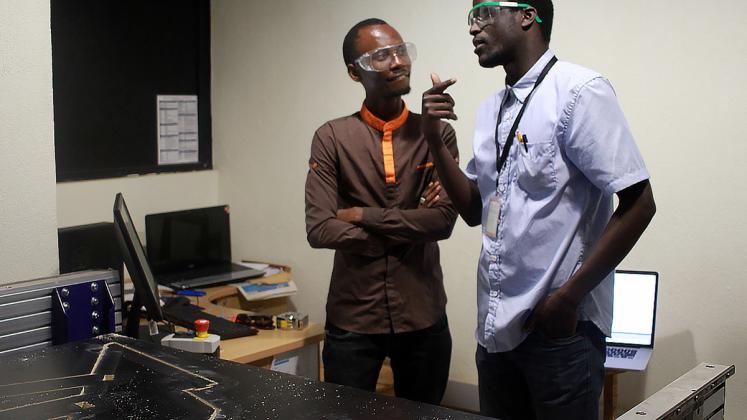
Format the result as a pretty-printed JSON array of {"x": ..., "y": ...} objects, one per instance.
[
  {"x": 367, "y": 231},
  {"x": 400, "y": 226}
]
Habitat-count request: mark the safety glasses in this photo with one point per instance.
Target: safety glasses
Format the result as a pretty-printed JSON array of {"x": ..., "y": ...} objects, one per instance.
[
  {"x": 484, "y": 13},
  {"x": 381, "y": 59}
]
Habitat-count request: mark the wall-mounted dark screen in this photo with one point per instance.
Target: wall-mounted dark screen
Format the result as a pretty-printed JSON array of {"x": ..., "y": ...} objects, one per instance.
[{"x": 110, "y": 60}]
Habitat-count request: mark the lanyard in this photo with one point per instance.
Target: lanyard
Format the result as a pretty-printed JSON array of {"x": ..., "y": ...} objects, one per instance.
[{"x": 503, "y": 156}]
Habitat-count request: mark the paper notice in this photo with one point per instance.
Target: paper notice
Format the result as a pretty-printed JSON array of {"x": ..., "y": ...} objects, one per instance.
[{"x": 178, "y": 142}]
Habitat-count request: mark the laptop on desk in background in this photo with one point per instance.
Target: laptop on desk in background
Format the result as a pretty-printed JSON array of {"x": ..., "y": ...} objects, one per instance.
[
  {"x": 633, "y": 320},
  {"x": 192, "y": 248}
]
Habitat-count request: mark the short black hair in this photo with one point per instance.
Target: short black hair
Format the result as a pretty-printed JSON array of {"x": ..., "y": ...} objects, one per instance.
[
  {"x": 545, "y": 12},
  {"x": 348, "y": 44}
]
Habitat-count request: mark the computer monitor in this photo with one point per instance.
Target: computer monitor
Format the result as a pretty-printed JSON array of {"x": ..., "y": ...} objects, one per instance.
[
  {"x": 146, "y": 289},
  {"x": 634, "y": 313},
  {"x": 89, "y": 247},
  {"x": 188, "y": 239}
]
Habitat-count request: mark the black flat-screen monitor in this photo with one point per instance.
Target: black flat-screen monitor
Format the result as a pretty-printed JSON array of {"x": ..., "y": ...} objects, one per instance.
[
  {"x": 146, "y": 289},
  {"x": 89, "y": 247}
]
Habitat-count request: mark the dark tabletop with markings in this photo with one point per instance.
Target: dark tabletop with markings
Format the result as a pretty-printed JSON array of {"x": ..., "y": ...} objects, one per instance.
[{"x": 119, "y": 377}]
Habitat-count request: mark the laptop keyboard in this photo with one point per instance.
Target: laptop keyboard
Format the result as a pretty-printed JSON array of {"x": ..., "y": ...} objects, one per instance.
[{"x": 621, "y": 353}]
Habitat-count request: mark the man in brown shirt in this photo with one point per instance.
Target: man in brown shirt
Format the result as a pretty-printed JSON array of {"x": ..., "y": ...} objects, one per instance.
[{"x": 369, "y": 174}]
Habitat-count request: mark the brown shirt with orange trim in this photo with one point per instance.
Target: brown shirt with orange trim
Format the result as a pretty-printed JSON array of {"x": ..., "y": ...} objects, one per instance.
[{"x": 387, "y": 275}]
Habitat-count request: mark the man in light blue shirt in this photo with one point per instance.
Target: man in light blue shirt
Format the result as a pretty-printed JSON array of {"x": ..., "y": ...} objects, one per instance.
[{"x": 550, "y": 151}]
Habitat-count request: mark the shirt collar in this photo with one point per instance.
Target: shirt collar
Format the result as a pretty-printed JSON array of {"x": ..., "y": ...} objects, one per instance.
[
  {"x": 522, "y": 88},
  {"x": 382, "y": 125}
]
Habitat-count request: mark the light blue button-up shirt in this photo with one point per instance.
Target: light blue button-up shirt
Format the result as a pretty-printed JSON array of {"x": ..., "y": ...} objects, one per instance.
[{"x": 555, "y": 195}]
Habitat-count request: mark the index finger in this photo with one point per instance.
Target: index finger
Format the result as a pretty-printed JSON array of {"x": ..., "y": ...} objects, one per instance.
[{"x": 439, "y": 87}]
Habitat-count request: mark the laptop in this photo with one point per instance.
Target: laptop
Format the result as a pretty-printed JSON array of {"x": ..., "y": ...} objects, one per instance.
[
  {"x": 633, "y": 320},
  {"x": 192, "y": 248}
]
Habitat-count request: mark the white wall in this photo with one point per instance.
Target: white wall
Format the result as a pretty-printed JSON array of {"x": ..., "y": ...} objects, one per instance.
[
  {"x": 91, "y": 201},
  {"x": 28, "y": 224},
  {"x": 678, "y": 68},
  {"x": 32, "y": 205}
]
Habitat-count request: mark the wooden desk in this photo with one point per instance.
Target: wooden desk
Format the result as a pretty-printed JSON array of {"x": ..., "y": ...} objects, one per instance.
[
  {"x": 258, "y": 350},
  {"x": 610, "y": 393}
]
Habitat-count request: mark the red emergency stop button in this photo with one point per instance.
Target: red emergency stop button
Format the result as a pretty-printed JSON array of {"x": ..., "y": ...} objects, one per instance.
[{"x": 201, "y": 328}]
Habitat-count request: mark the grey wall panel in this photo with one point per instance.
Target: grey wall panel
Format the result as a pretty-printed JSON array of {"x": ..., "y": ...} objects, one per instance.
[
  {"x": 13, "y": 297},
  {"x": 24, "y": 323},
  {"x": 25, "y": 308},
  {"x": 25, "y": 338},
  {"x": 30, "y": 348}
]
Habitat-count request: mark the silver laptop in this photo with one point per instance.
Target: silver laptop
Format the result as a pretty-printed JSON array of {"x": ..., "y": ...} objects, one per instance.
[{"x": 634, "y": 319}]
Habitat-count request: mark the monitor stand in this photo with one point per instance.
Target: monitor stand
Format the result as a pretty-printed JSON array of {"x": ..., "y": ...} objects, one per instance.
[
  {"x": 144, "y": 334},
  {"x": 133, "y": 328}
]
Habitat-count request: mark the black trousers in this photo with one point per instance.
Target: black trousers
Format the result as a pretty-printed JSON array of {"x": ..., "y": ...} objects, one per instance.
[{"x": 420, "y": 360}]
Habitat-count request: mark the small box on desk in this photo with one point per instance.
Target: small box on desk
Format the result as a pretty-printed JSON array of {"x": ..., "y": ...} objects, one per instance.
[
  {"x": 273, "y": 306},
  {"x": 270, "y": 305}
]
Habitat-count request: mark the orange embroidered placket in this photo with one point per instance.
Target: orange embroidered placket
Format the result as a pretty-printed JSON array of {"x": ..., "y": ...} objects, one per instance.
[{"x": 386, "y": 127}]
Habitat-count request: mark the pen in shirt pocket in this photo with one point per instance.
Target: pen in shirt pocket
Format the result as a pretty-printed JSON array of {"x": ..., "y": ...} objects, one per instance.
[{"x": 523, "y": 139}]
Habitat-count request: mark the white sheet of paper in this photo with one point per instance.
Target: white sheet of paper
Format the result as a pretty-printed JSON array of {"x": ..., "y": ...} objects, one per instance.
[
  {"x": 285, "y": 364},
  {"x": 178, "y": 141}
]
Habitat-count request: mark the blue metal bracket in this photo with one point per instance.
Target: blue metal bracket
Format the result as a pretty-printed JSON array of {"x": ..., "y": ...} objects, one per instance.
[{"x": 81, "y": 311}]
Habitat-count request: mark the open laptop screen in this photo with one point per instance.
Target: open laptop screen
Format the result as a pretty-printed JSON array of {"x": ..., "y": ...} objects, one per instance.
[
  {"x": 634, "y": 308},
  {"x": 184, "y": 240}
]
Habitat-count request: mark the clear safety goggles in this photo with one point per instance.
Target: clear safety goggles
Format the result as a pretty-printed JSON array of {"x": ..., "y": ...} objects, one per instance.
[
  {"x": 381, "y": 59},
  {"x": 484, "y": 13}
]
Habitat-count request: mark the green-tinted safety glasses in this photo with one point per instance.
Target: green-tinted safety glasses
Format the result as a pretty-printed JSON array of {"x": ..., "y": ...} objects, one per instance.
[{"x": 484, "y": 13}]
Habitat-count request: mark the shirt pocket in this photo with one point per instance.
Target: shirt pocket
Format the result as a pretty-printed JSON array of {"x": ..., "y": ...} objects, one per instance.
[
  {"x": 536, "y": 168},
  {"x": 424, "y": 166},
  {"x": 424, "y": 174}
]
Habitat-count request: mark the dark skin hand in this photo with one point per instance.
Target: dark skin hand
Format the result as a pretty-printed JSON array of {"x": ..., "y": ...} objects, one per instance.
[
  {"x": 556, "y": 315},
  {"x": 465, "y": 196},
  {"x": 431, "y": 195}
]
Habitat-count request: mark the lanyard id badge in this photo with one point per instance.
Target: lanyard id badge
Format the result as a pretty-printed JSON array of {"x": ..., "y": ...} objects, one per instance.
[
  {"x": 494, "y": 206},
  {"x": 502, "y": 155},
  {"x": 494, "y": 216}
]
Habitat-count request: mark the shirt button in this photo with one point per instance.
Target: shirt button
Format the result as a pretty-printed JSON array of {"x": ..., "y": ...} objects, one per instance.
[
  {"x": 493, "y": 293},
  {"x": 493, "y": 258}
]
